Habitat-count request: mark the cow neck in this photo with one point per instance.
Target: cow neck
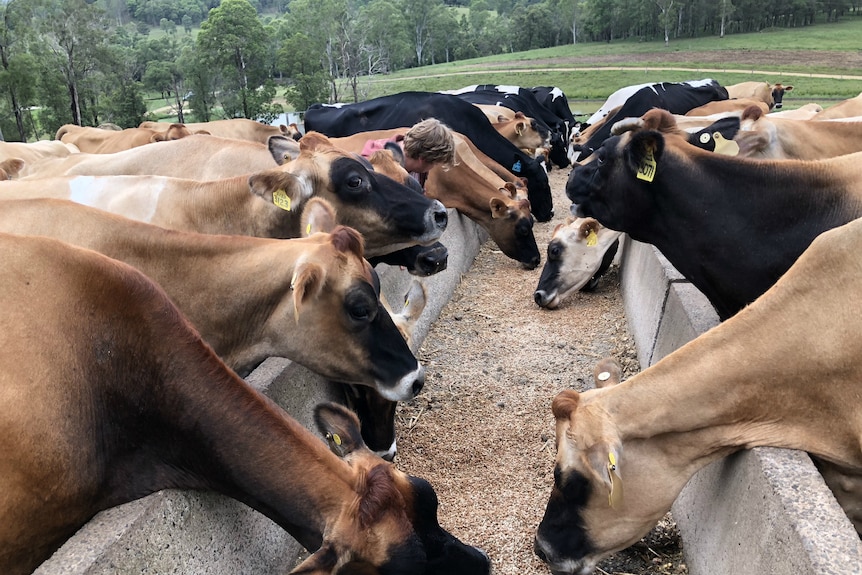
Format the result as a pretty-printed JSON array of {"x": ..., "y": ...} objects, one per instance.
[
  {"x": 219, "y": 434},
  {"x": 776, "y": 374},
  {"x": 463, "y": 189}
]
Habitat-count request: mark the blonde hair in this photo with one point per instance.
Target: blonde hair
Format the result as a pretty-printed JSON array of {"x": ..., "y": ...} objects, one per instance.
[{"x": 432, "y": 141}]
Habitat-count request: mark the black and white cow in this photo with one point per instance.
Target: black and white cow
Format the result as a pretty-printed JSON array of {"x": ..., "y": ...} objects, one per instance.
[
  {"x": 408, "y": 108},
  {"x": 555, "y": 100},
  {"x": 522, "y": 100},
  {"x": 635, "y": 101}
]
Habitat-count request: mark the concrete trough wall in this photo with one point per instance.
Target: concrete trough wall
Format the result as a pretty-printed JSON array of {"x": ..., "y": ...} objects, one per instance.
[{"x": 760, "y": 511}]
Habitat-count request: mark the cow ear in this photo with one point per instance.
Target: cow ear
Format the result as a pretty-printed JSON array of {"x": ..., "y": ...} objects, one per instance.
[
  {"x": 282, "y": 149},
  {"x": 318, "y": 215},
  {"x": 321, "y": 562},
  {"x": 607, "y": 372},
  {"x": 511, "y": 189},
  {"x": 314, "y": 140},
  {"x": 396, "y": 151},
  {"x": 644, "y": 151},
  {"x": 11, "y": 167},
  {"x": 279, "y": 188},
  {"x": 340, "y": 427},
  {"x": 499, "y": 209},
  {"x": 308, "y": 279}
]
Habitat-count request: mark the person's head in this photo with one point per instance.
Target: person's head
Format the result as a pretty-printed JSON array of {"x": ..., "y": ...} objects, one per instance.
[{"x": 430, "y": 142}]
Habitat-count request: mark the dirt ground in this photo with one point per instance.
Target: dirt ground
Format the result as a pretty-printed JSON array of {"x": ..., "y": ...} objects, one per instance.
[{"x": 482, "y": 431}]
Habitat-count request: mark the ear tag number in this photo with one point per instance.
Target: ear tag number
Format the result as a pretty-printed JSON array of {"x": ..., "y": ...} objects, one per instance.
[
  {"x": 592, "y": 238},
  {"x": 646, "y": 171},
  {"x": 281, "y": 199},
  {"x": 615, "y": 496}
]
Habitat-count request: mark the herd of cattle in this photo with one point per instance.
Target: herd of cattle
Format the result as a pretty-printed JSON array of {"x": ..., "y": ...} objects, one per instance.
[{"x": 130, "y": 315}]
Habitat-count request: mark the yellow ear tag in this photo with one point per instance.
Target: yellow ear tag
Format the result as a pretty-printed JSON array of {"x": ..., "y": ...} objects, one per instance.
[
  {"x": 592, "y": 238},
  {"x": 725, "y": 147},
  {"x": 615, "y": 497},
  {"x": 281, "y": 199},
  {"x": 308, "y": 230},
  {"x": 334, "y": 441},
  {"x": 646, "y": 171}
]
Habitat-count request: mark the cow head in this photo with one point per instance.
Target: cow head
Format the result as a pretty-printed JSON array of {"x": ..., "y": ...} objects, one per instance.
[
  {"x": 607, "y": 494},
  {"x": 335, "y": 304},
  {"x": 614, "y": 185},
  {"x": 391, "y": 526},
  {"x": 778, "y": 91},
  {"x": 389, "y": 215},
  {"x": 511, "y": 226},
  {"x": 578, "y": 254}
]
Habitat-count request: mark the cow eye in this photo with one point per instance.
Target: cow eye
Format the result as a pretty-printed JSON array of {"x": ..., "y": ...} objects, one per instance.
[
  {"x": 554, "y": 251},
  {"x": 354, "y": 182},
  {"x": 360, "y": 312}
]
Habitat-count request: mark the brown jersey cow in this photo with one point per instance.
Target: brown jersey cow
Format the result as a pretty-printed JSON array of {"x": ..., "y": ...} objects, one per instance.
[{"x": 108, "y": 394}]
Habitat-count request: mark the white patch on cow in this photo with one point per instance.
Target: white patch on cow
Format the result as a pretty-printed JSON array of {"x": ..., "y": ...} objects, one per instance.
[
  {"x": 335, "y": 105},
  {"x": 556, "y": 93},
  {"x": 699, "y": 83},
  {"x": 106, "y": 194},
  {"x": 509, "y": 89},
  {"x": 464, "y": 90},
  {"x": 616, "y": 99}
]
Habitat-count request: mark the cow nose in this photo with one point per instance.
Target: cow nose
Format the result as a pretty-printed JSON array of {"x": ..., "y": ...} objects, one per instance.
[
  {"x": 440, "y": 215},
  {"x": 419, "y": 382},
  {"x": 539, "y": 552},
  {"x": 540, "y": 297}
]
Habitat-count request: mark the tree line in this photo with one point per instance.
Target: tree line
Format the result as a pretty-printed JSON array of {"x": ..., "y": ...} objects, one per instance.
[{"x": 92, "y": 62}]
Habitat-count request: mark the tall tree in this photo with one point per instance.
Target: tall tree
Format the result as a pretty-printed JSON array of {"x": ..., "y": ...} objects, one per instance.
[
  {"x": 17, "y": 72},
  {"x": 77, "y": 33},
  {"x": 234, "y": 40},
  {"x": 420, "y": 15}
]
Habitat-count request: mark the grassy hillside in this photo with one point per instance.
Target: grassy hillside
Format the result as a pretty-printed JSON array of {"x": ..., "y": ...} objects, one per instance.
[{"x": 822, "y": 62}]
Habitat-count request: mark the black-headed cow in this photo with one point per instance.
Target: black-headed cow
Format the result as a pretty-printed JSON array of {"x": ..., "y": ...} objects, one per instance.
[
  {"x": 313, "y": 300},
  {"x": 124, "y": 398},
  {"x": 745, "y": 226},
  {"x": 784, "y": 372},
  {"x": 389, "y": 215}
]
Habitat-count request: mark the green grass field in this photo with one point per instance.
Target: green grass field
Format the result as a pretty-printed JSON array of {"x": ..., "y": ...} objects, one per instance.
[{"x": 573, "y": 69}]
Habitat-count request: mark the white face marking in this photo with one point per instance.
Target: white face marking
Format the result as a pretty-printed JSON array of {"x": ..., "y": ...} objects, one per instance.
[{"x": 130, "y": 196}]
